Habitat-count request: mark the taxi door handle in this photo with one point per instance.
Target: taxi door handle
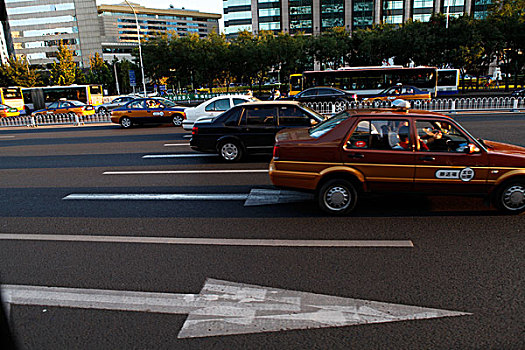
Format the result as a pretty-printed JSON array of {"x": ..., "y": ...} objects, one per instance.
[
  {"x": 356, "y": 155},
  {"x": 427, "y": 158}
]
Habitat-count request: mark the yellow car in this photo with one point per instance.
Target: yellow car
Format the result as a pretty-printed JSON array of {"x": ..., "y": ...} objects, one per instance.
[
  {"x": 6, "y": 111},
  {"x": 399, "y": 92},
  {"x": 152, "y": 110},
  {"x": 66, "y": 107}
]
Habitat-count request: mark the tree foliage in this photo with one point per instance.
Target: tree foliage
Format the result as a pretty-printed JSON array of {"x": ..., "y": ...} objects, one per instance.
[
  {"x": 65, "y": 71},
  {"x": 18, "y": 72}
]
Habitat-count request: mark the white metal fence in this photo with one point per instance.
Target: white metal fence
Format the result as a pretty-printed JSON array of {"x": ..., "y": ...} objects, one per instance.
[
  {"x": 54, "y": 119},
  {"x": 327, "y": 108},
  {"x": 438, "y": 105}
]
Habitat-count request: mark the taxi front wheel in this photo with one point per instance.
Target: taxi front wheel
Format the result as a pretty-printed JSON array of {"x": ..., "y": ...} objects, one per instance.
[
  {"x": 510, "y": 197},
  {"x": 125, "y": 122},
  {"x": 337, "y": 197}
]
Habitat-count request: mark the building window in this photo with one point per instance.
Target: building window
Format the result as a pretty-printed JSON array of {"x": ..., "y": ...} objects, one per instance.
[
  {"x": 332, "y": 14},
  {"x": 43, "y": 20},
  {"x": 363, "y": 13}
]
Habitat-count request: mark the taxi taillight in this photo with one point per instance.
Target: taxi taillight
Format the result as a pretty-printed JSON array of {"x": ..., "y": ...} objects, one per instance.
[
  {"x": 194, "y": 130},
  {"x": 276, "y": 152}
]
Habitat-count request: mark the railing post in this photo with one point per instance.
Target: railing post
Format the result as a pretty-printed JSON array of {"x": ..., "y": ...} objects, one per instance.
[
  {"x": 333, "y": 108},
  {"x": 33, "y": 122},
  {"x": 515, "y": 105},
  {"x": 453, "y": 107},
  {"x": 77, "y": 121}
]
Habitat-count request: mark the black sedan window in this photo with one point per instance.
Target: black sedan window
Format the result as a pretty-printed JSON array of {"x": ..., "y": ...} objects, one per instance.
[{"x": 259, "y": 116}]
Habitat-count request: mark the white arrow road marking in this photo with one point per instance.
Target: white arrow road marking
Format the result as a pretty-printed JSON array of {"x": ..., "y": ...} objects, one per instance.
[
  {"x": 254, "y": 198},
  {"x": 175, "y": 144},
  {"x": 227, "y": 308},
  {"x": 177, "y": 172},
  {"x": 270, "y": 196},
  {"x": 158, "y": 196},
  {"x": 210, "y": 241},
  {"x": 191, "y": 155}
]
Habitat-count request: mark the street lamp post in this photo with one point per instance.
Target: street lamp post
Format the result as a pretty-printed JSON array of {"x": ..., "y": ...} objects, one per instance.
[{"x": 140, "y": 49}]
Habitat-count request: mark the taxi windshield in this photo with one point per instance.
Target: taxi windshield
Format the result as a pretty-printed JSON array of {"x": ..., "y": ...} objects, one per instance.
[
  {"x": 77, "y": 103},
  {"x": 167, "y": 102},
  {"x": 322, "y": 128}
]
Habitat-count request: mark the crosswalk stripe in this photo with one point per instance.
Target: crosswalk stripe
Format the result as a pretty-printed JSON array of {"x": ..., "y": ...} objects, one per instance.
[
  {"x": 177, "y": 172},
  {"x": 191, "y": 155}
]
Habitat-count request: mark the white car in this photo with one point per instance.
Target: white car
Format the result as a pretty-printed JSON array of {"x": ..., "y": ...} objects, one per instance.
[{"x": 212, "y": 108}]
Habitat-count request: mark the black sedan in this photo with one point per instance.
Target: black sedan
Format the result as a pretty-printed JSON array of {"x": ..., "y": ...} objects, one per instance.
[
  {"x": 250, "y": 128},
  {"x": 324, "y": 94},
  {"x": 518, "y": 93}
]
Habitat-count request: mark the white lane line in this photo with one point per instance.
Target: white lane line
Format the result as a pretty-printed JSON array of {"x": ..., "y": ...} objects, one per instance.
[
  {"x": 191, "y": 155},
  {"x": 186, "y": 137},
  {"x": 7, "y": 137},
  {"x": 175, "y": 172},
  {"x": 175, "y": 144},
  {"x": 212, "y": 241},
  {"x": 158, "y": 196}
]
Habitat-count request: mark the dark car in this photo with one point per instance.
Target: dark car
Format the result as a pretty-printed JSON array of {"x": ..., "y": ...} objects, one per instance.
[
  {"x": 250, "y": 128},
  {"x": 151, "y": 110},
  {"x": 324, "y": 94},
  {"x": 518, "y": 93},
  {"x": 115, "y": 103},
  {"x": 396, "y": 150}
]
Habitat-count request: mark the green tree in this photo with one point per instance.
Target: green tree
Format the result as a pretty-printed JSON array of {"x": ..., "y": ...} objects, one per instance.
[
  {"x": 65, "y": 71},
  {"x": 99, "y": 72},
  {"x": 18, "y": 72}
]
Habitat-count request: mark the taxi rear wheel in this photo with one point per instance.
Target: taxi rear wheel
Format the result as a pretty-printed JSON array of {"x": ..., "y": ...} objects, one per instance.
[
  {"x": 125, "y": 122},
  {"x": 510, "y": 197},
  {"x": 177, "y": 120},
  {"x": 376, "y": 103},
  {"x": 337, "y": 197}
]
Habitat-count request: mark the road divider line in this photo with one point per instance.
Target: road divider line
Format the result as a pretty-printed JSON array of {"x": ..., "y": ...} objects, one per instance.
[
  {"x": 176, "y": 172},
  {"x": 190, "y": 155},
  {"x": 158, "y": 196},
  {"x": 7, "y": 137},
  {"x": 175, "y": 144},
  {"x": 186, "y": 137},
  {"x": 212, "y": 241}
]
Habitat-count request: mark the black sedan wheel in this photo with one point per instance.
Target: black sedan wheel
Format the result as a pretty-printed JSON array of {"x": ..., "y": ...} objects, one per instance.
[
  {"x": 337, "y": 197},
  {"x": 177, "y": 120},
  {"x": 125, "y": 122},
  {"x": 230, "y": 151}
]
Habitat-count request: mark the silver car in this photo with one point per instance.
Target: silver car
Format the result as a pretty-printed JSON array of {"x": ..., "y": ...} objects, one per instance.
[{"x": 117, "y": 102}]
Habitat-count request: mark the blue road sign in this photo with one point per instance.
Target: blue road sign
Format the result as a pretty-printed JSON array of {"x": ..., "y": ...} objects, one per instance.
[{"x": 132, "y": 78}]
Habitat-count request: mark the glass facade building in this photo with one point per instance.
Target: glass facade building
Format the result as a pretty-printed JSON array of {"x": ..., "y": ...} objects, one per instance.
[
  {"x": 118, "y": 27},
  {"x": 37, "y": 27},
  {"x": 317, "y": 16}
]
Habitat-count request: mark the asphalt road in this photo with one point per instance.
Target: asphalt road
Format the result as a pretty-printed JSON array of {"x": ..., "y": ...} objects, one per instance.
[{"x": 465, "y": 257}]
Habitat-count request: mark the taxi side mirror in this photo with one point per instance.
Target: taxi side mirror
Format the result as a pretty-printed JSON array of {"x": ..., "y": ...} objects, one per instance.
[{"x": 471, "y": 149}]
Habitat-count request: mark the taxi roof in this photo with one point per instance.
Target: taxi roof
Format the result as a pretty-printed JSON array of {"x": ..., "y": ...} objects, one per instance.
[
  {"x": 395, "y": 112},
  {"x": 278, "y": 103}
]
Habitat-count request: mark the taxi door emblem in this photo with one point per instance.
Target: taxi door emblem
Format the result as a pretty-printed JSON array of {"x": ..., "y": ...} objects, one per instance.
[{"x": 466, "y": 174}]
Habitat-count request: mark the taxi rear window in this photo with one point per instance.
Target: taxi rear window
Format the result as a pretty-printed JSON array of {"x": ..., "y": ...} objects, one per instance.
[{"x": 324, "y": 127}]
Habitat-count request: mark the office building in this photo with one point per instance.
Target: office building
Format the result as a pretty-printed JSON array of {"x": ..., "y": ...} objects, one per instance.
[
  {"x": 119, "y": 30},
  {"x": 317, "y": 16},
  {"x": 36, "y": 28}
]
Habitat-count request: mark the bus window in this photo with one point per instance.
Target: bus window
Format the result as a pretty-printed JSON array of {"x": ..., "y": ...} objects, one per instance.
[{"x": 12, "y": 96}]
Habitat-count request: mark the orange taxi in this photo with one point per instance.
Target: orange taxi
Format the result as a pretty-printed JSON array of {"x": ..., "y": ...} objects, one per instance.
[
  {"x": 66, "y": 107},
  {"x": 7, "y": 111},
  {"x": 396, "y": 150},
  {"x": 398, "y": 92},
  {"x": 151, "y": 110}
]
